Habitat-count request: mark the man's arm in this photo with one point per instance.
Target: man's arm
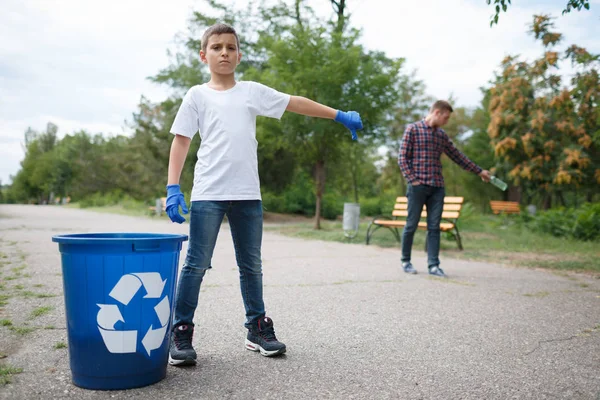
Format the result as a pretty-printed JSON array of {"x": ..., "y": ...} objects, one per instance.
[
  {"x": 463, "y": 161},
  {"x": 406, "y": 153}
]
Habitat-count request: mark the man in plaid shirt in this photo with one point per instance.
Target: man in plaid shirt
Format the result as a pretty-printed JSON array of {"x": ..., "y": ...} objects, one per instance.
[{"x": 422, "y": 146}]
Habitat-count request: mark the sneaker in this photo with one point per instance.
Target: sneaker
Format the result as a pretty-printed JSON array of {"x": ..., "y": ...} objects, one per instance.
[
  {"x": 408, "y": 268},
  {"x": 437, "y": 271},
  {"x": 261, "y": 337},
  {"x": 181, "y": 351}
]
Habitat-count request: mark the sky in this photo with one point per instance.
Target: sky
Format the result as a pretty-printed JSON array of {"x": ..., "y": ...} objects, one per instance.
[{"x": 83, "y": 65}]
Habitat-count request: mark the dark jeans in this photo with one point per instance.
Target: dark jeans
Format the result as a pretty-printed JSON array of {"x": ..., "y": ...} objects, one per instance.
[
  {"x": 433, "y": 198},
  {"x": 246, "y": 222}
]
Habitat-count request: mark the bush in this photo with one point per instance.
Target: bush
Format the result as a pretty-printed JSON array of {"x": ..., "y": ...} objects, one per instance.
[
  {"x": 557, "y": 222},
  {"x": 97, "y": 200},
  {"x": 299, "y": 198},
  {"x": 373, "y": 207},
  {"x": 332, "y": 206},
  {"x": 581, "y": 224},
  {"x": 109, "y": 199},
  {"x": 130, "y": 203},
  {"x": 272, "y": 202},
  {"x": 587, "y": 224},
  {"x": 294, "y": 201}
]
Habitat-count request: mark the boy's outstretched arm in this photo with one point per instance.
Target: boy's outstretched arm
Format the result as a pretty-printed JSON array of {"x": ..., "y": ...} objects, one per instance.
[
  {"x": 179, "y": 150},
  {"x": 304, "y": 106}
]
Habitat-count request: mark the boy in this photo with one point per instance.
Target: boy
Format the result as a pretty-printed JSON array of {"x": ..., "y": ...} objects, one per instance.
[{"x": 226, "y": 183}]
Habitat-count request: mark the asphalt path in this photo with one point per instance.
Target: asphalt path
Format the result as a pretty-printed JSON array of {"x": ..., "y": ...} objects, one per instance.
[{"x": 356, "y": 326}]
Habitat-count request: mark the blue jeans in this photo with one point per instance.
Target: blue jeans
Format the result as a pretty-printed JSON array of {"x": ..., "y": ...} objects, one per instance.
[
  {"x": 433, "y": 198},
  {"x": 246, "y": 222}
]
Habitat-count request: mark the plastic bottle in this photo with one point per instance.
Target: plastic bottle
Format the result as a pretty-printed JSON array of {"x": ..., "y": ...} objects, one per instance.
[{"x": 498, "y": 183}]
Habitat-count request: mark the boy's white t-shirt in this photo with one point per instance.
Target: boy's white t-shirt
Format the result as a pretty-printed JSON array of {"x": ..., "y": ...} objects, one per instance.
[{"x": 227, "y": 166}]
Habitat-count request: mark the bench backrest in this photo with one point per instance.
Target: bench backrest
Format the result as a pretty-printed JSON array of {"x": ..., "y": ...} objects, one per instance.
[
  {"x": 508, "y": 207},
  {"x": 452, "y": 207}
]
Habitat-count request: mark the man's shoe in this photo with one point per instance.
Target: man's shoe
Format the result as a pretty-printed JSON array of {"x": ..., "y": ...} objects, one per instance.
[
  {"x": 437, "y": 271},
  {"x": 408, "y": 268},
  {"x": 181, "y": 351},
  {"x": 261, "y": 337}
]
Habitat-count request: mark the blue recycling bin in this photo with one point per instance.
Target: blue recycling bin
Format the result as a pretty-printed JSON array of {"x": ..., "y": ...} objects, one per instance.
[{"x": 119, "y": 299}]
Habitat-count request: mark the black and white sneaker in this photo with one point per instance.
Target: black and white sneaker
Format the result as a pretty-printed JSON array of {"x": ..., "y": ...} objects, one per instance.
[
  {"x": 261, "y": 337},
  {"x": 181, "y": 351}
]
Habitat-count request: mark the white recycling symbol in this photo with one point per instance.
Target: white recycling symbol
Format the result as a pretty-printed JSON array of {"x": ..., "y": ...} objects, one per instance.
[{"x": 123, "y": 292}]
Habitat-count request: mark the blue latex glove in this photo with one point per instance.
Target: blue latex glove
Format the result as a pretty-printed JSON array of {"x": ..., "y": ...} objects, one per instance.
[
  {"x": 350, "y": 120},
  {"x": 174, "y": 200}
]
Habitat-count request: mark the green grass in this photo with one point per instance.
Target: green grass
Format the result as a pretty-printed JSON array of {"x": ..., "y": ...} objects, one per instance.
[
  {"x": 30, "y": 294},
  {"x": 21, "y": 330},
  {"x": 60, "y": 345},
  {"x": 38, "y": 312},
  {"x": 485, "y": 238},
  {"x": 5, "y": 322},
  {"x": 4, "y": 299},
  {"x": 6, "y": 373},
  {"x": 17, "y": 270}
]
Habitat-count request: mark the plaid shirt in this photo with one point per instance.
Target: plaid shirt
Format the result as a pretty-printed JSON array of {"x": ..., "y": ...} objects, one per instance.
[{"x": 420, "y": 152}]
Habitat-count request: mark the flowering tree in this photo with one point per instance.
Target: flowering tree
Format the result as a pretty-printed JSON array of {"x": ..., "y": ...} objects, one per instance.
[{"x": 546, "y": 135}]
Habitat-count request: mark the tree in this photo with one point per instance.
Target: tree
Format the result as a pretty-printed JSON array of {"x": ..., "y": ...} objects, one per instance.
[
  {"x": 34, "y": 182},
  {"x": 502, "y": 5},
  {"x": 481, "y": 152},
  {"x": 310, "y": 57},
  {"x": 339, "y": 7},
  {"x": 546, "y": 135}
]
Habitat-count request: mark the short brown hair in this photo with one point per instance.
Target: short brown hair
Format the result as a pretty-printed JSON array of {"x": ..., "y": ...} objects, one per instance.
[
  {"x": 441, "y": 105},
  {"x": 218, "y": 29}
]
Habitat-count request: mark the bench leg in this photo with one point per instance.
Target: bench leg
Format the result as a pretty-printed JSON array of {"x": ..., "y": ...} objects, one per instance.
[
  {"x": 458, "y": 239},
  {"x": 397, "y": 234},
  {"x": 370, "y": 230}
]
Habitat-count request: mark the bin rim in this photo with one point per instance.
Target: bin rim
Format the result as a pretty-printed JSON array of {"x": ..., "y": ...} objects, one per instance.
[{"x": 112, "y": 237}]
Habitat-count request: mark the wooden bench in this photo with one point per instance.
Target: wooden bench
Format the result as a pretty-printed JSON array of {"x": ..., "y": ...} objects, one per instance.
[
  {"x": 450, "y": 214},
  {"x": 163, "y": 201},
  {"x": 505, "y": 207}
]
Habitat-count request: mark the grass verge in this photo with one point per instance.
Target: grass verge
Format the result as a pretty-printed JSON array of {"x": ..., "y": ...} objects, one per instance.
[
  {"x": 485, "y": 238},
  {"x": 7, "y": 372}
]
